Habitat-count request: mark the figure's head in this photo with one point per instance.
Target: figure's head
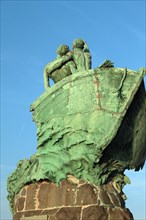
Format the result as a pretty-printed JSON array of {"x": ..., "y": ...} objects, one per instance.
[
  {"x": 78, "y": 43},
  {"x": 62, "y": 50}
]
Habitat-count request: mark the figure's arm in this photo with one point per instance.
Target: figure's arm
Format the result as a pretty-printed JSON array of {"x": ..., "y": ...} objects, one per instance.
[
  {"x": 46, "y": 79},
  {"x": 88, "y": 61},
  {"x": 54, "y": 65},
  {"x": 58, "y": 62}
]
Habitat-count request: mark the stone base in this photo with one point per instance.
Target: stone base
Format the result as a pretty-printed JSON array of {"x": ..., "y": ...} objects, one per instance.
[{"x": 72, "y": 200}]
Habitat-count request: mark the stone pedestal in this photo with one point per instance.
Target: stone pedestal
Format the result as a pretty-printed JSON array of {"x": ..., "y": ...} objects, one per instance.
[{"x": 72, "y": 200}]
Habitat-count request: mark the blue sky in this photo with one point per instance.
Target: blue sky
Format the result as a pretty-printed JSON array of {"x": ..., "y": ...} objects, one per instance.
[{"x": 31, "y": 31}]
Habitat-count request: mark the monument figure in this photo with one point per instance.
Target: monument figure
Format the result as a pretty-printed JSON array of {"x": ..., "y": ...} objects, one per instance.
[
  {"x": 68, "y": 62},
  {"x": 81, "y": 55},
  {"x": 90, "y": 129},
  {"x": 60, "y": 68}
]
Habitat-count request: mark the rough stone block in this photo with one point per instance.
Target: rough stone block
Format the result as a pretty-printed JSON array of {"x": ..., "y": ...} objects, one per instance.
[
  {"x": 114, "y": 199},
  {"x": 86, "y": 194},
  {"x": 104, "y": 198},
  {"x": 69, "y": 213},
  {"x": 120, "y": 214},
  {"x": 94, "y": 212},
  {"x": 20, "y": 203},
  {"x": 51, "y": 195},
  {"x": 23, "y": 192},
  {"x": 43, "y": 195},
  {"x": 30, "y": 196}
]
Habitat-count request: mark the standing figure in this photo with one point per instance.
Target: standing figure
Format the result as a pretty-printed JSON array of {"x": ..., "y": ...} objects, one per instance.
[{"x": 81, "y": 55}]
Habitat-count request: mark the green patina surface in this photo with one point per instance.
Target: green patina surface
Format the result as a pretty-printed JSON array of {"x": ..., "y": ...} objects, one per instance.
[{"x": 90, "y": 125}]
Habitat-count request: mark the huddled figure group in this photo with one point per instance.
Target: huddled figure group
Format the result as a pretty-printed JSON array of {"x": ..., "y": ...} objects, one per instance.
[{"x": 68, "y": 62}]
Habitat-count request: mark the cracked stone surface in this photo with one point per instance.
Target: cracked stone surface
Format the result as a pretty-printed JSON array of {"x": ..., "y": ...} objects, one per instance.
[{"x": 71, "y": 201}]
